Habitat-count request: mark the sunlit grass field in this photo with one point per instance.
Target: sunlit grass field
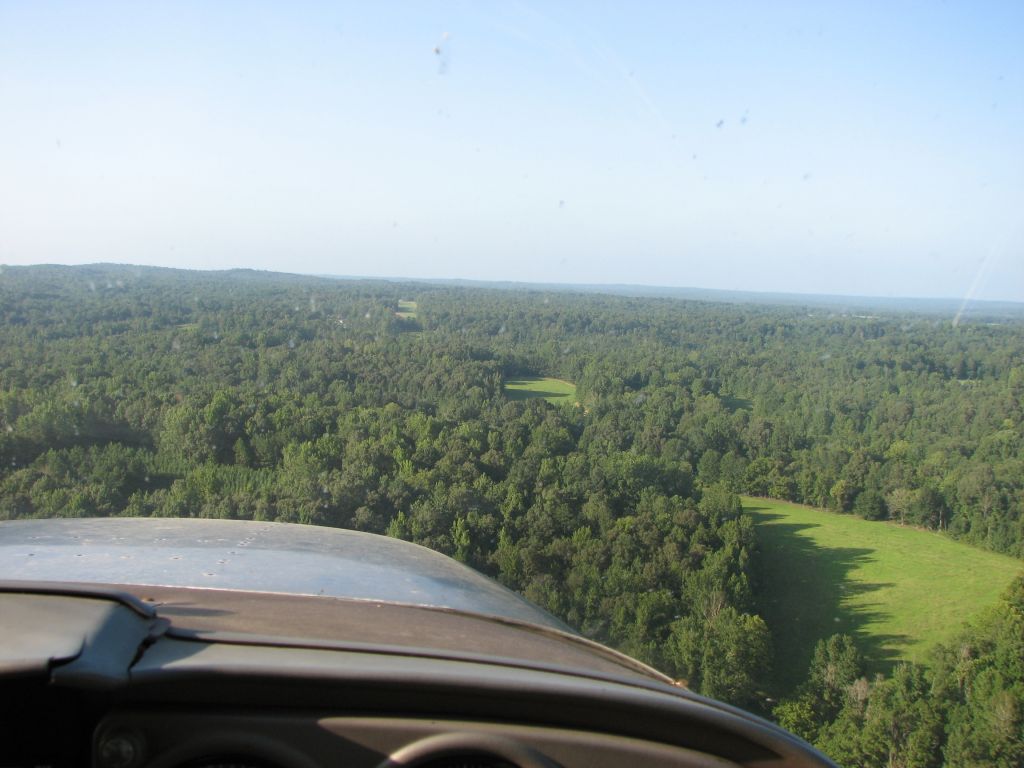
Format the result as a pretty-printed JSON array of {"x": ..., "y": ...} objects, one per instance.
[
  {"x": 553, "y": 390},
  {"x": 897, "y": 590}
]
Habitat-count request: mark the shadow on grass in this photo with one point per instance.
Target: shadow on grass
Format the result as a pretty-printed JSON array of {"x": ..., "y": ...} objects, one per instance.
[
  {"x": 805, "y": 594},
  {"x": 526, "y": 394}
]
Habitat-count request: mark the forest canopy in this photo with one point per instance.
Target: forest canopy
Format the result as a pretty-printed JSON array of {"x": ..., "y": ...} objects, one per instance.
[{"x": 382, "y": 406}]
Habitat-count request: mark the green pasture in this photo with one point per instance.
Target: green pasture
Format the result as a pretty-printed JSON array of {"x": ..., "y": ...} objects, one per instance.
[
  {"x": 407, "y": 309},
  {"x": 897, "y": 590},
  {"x": 553, "y": 390}
]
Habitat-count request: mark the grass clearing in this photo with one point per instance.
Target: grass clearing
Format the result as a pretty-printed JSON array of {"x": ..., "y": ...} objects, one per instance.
[
  {"x": 553, "y": 390},
  {"x": 898, "y": 591},
  {"x": 407, "y": 309}
]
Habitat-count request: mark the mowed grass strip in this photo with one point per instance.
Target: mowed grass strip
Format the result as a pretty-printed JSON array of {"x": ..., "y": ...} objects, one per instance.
[
  {"x": 897, "y": 590},
  {"x": 553, "y": 390}
]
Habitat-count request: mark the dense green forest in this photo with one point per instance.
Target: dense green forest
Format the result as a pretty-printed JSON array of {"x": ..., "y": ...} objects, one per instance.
[{"x": 139, "y": 391}]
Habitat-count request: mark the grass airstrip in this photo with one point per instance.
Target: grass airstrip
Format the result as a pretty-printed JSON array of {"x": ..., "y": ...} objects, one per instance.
[
  {"x": 897, "y": 590},
  {"x": 553, "y": 390}
]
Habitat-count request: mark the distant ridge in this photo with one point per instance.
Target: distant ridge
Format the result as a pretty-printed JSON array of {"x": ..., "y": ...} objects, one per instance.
[
  {"x": 975, "y": 309},
  {"x": 949, "y": 307}
]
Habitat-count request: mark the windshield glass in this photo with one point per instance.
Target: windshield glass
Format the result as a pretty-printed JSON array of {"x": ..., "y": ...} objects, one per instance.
[
  {"x": 698, "y": 325},
  {"x": 832, "y": 150}
]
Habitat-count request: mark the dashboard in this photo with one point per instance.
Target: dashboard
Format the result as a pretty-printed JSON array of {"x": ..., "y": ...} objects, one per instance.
[
  {"x": 101, "y": 680},
  {"x": 126, "y": 675}
]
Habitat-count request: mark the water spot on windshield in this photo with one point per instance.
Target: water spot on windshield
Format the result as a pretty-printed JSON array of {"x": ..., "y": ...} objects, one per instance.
[{"x": 442, "y": 54}]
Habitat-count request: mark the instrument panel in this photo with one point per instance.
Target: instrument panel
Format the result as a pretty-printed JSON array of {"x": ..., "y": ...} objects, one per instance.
[
  {"x": 169, "y": 740},
  {"x": 172, "y": 678}
]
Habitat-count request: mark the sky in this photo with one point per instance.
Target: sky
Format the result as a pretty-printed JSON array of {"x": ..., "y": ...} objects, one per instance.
[{"x": 821, "y": 147}]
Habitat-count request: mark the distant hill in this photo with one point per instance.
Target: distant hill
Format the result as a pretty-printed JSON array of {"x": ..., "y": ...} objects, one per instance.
[
  {"x": 994, "y": 311},
  {"x": 947, "y": 308}
]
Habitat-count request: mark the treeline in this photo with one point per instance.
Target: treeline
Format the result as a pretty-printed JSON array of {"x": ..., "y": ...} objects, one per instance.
[{"x": 905, "y": 417}]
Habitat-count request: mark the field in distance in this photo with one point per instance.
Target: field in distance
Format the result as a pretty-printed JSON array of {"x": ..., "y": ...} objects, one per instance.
[
  {"x": 897, "y": 590},
  {"x": 407, "y": 309},
  {"x": 553, "y": 390}
]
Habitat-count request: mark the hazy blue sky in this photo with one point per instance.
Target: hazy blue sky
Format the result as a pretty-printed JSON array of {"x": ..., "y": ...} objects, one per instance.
[{"x": 870, "y": 148}]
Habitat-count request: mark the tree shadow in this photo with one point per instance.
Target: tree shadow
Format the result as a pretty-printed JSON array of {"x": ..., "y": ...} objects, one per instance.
[
  {"x": 733, "y": 404},
  {"x": 805, "y": 592},
  {"x": 527, "y": 394}
]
